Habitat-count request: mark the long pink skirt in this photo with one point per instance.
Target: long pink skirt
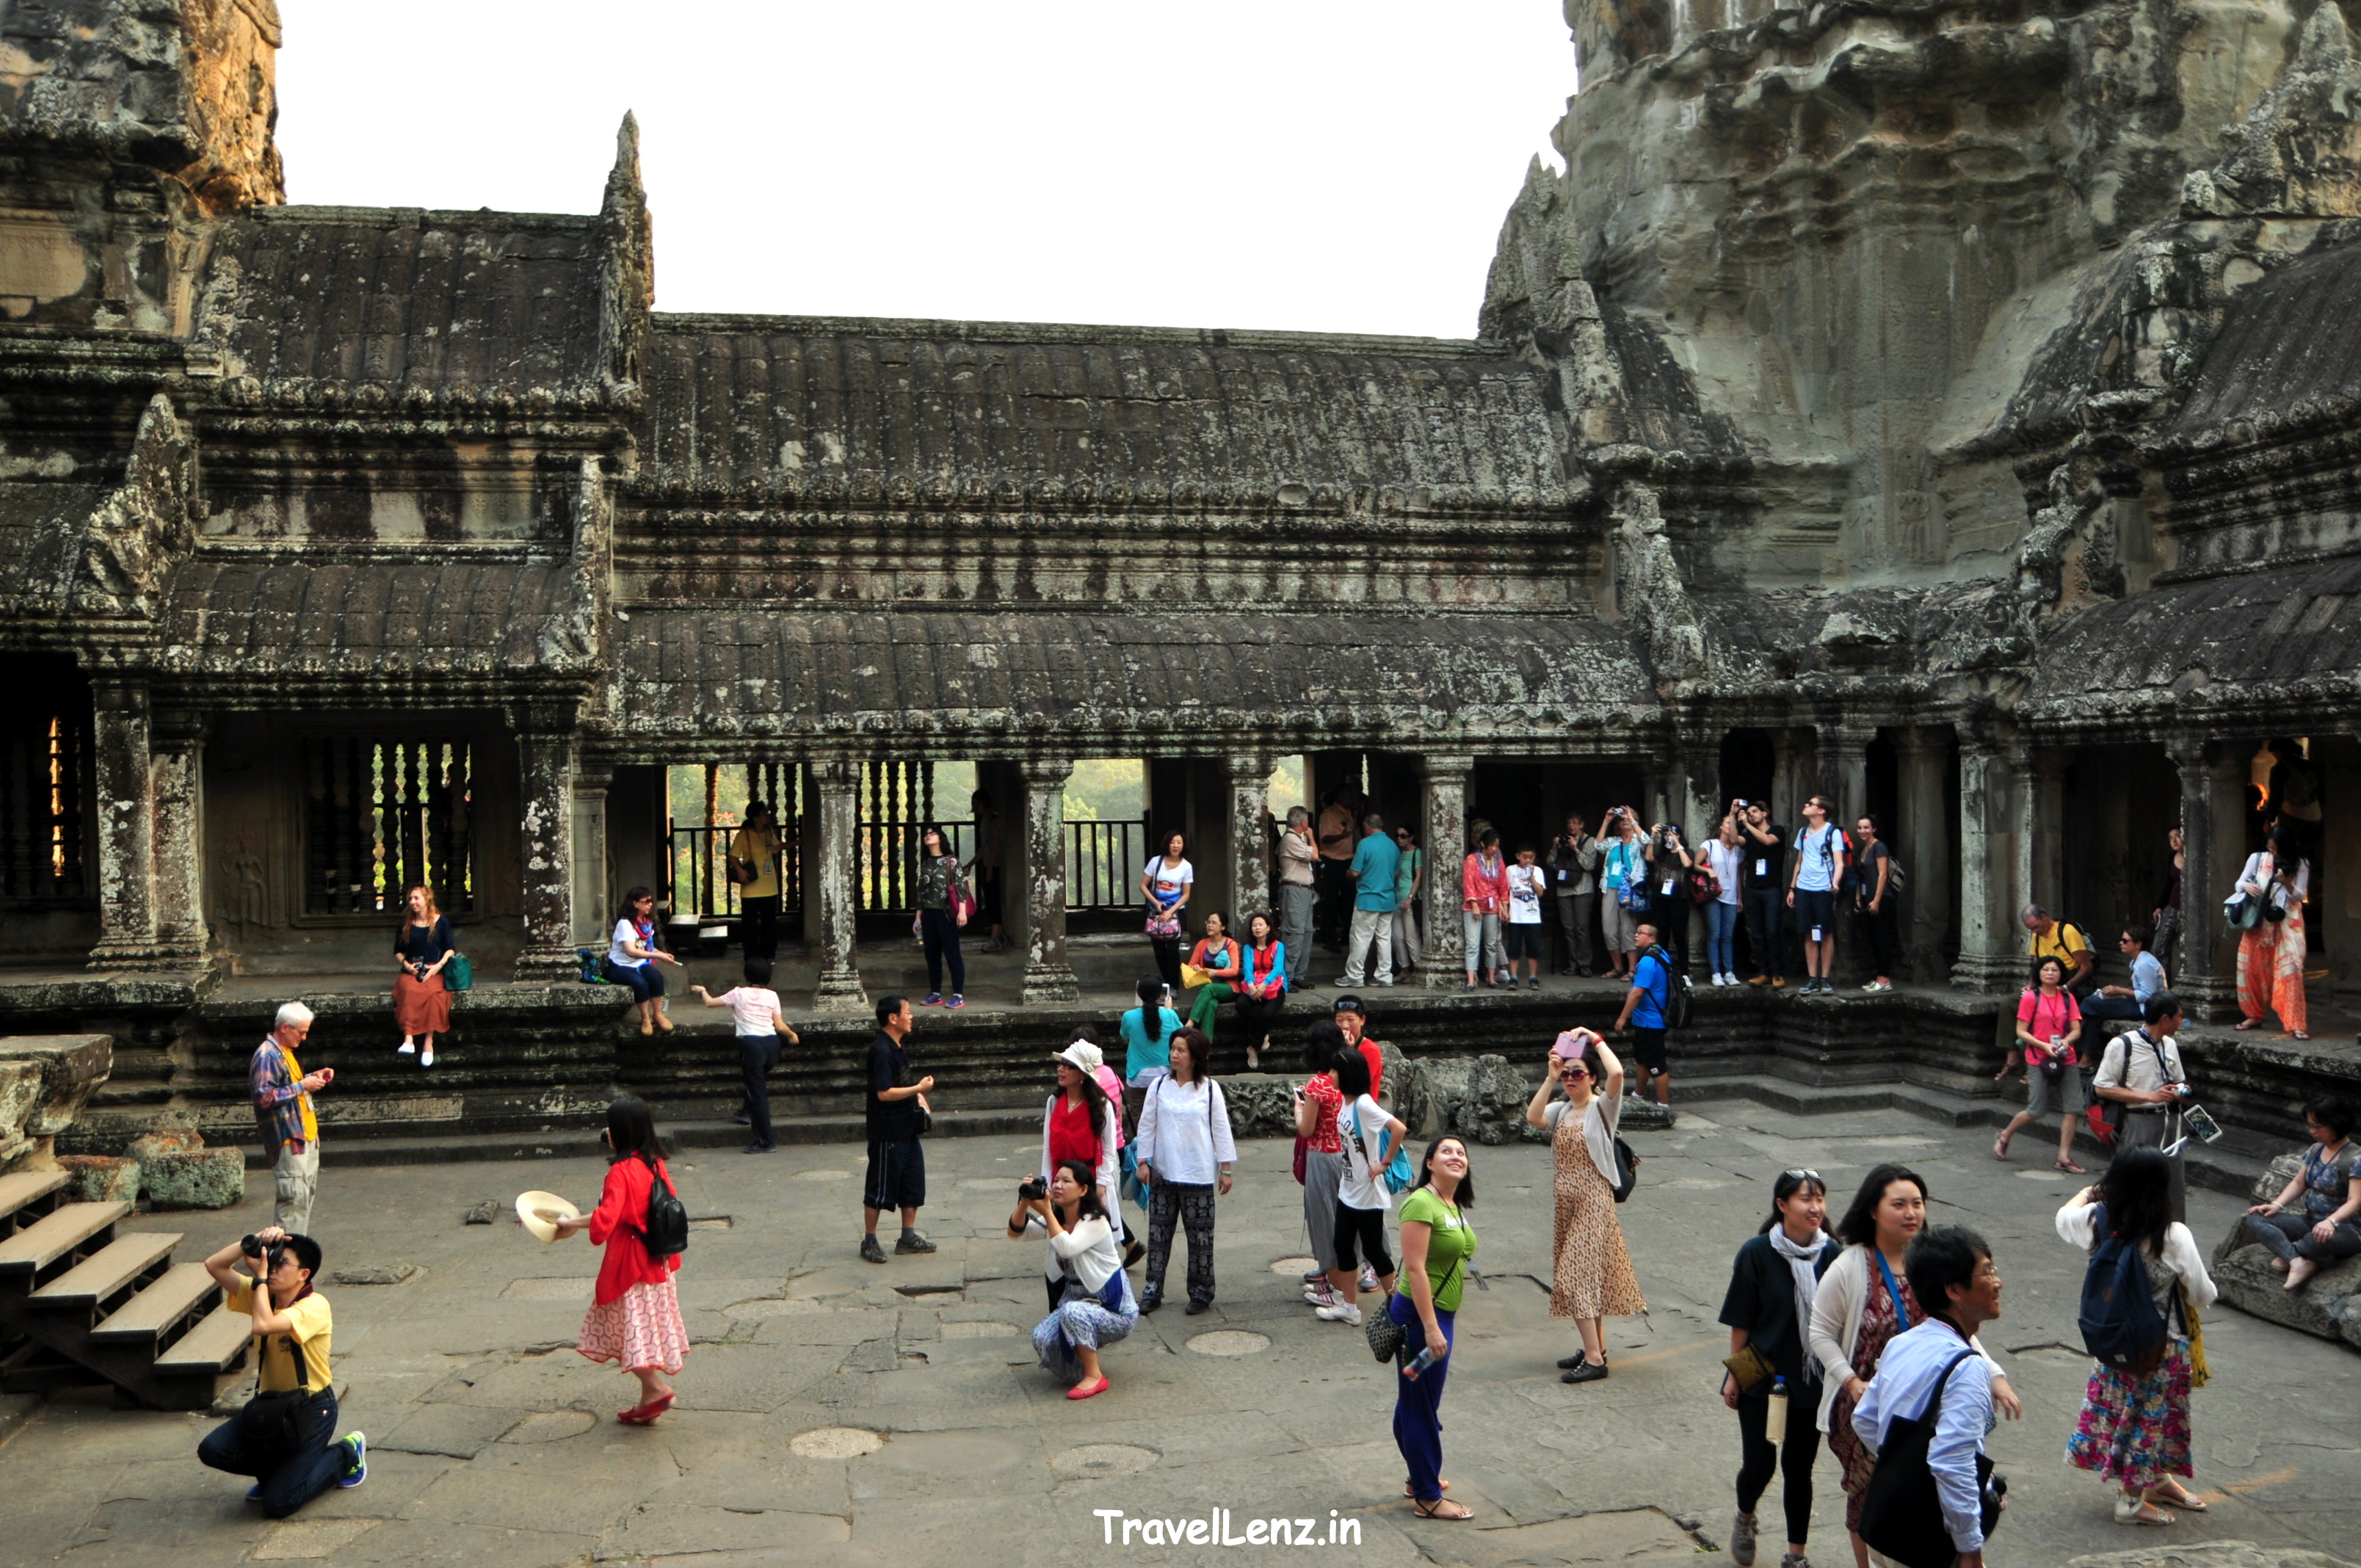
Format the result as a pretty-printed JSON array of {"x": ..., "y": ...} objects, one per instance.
[{"x": 640, "y": 1328}]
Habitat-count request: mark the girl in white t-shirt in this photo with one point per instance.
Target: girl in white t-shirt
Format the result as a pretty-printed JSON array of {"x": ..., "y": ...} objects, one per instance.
[
  {"x": 1522, "y": 930},
  {"x": 1164, "y": 882},
  {"x": 760, "y": 1026},
  {"x": 1371, "y": 1137}
]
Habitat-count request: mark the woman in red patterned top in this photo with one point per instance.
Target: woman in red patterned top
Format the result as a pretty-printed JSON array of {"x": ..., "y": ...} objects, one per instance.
[
  {"x": 634, "y": 1316},
  {"x": 1317, "y": 1105}
]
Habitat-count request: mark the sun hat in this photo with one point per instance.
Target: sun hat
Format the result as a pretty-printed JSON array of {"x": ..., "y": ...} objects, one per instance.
[
  {"x": 1083, "y": 1056},
  {"x": 531, "y": 1207}
]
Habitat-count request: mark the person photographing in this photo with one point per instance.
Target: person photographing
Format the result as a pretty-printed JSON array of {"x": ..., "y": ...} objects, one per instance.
[{"x": 283, "y": 1437}]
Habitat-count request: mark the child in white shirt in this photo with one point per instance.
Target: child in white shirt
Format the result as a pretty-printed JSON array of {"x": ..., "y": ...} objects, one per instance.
[{"x": 760, "y": 1026}]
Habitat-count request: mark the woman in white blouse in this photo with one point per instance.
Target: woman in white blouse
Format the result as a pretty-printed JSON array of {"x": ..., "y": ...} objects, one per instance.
[
  {"x": 1186, "y": 1154},
  {"x": 1091, "y": 1306},
  {"x": 1725, "y": 857},
  {"x": 2271, "y": 952},
  {"x": 2134, "y": 1429}
]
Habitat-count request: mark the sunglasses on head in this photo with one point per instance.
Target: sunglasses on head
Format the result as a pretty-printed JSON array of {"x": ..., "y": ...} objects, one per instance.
[{"x": 1811, "y": 1176}]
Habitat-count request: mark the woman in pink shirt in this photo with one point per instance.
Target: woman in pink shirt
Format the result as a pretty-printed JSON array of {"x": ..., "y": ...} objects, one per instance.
[
  {"x": 1483, "y": 894},
  {"x": 2048, "y": 1026}
]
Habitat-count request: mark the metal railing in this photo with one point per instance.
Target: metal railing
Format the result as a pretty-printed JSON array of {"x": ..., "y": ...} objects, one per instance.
[
  {"x": 699, "y": 884},
  {"x": 1102, "y": 861}
]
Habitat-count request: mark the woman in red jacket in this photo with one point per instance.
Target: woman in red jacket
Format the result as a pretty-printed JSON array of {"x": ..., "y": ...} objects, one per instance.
[
  {"x": 634, "y": 1317},
  {"x": 1483, "y": 899}
]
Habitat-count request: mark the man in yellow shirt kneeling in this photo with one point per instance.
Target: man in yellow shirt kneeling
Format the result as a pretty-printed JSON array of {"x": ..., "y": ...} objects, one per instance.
[{"x": 283, "y": 1437}]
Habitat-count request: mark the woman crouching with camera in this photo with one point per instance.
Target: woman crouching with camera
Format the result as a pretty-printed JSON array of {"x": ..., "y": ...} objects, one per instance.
[{"x": 1091, "y": 1305}]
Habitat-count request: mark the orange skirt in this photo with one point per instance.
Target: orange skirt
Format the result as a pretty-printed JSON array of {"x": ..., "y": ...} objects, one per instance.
[{"x": 421, "y": 1006}]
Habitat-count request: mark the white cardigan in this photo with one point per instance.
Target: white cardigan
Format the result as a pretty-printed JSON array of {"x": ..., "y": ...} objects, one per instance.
[
  {"x": 1090, "y": 1247},
  {"x": 1837, "y": 1308},
  {"x": 1110, "y": 1163}
]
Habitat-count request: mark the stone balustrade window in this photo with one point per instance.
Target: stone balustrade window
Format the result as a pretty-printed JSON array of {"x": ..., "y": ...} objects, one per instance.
[
  {"x": 44, "y": 769},
  {"x": 382, "y": 812}
]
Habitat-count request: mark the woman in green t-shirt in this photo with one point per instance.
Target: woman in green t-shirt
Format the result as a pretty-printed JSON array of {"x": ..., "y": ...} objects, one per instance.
[{"x": 1436, "y": 1243}]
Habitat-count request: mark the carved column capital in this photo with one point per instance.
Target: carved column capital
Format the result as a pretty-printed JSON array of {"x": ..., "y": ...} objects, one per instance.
[
  {"x": 1436, "y": 767},
  {"x": 1045, "y": 773}
]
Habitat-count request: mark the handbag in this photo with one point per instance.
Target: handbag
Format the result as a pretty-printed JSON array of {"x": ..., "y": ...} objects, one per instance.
[
  {"x": 1749, "y": 1368},
  {"x": 1627, "y": 1170},
  {"x": 1164, "y": 928},
  {"x": 1901, "y": 1510},
  {"x": 2241, "y": 912},
  {"x": 1386, "y": 1336},
  {"x": 458, "y": 974}
]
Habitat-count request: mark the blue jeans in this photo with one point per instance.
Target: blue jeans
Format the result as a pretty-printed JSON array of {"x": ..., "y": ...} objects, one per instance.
[
  {"x": 1721, "y": 937},
  {"x": 1418, "y": 1402},
  {"x": 646, "y": 979}
]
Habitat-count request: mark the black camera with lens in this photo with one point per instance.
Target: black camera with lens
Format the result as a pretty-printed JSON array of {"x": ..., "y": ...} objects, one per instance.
[
  {"x": 266, "y": 1259},
  {"x": 1031, "y": 1189}
]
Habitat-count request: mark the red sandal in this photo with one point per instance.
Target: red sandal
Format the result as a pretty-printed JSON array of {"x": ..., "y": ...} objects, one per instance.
[{"x": 645, "y": 1415}]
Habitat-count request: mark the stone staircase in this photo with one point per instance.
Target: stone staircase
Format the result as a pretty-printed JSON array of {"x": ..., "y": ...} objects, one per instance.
[{"x": 79, "y": 1304}]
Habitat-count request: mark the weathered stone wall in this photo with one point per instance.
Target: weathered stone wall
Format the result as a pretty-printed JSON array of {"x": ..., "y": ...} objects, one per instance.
[{"x": 45, "y": 1080}]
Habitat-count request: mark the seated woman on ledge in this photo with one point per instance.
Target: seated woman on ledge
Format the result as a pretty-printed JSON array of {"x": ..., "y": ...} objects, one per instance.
[
  {"x": 1091, "y": 1305},
  {"x": 2326, "y": 1228}
]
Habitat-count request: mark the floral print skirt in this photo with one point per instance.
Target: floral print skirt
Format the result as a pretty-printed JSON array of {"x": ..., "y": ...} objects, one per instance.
[{"x": 2135, "y": 1430}]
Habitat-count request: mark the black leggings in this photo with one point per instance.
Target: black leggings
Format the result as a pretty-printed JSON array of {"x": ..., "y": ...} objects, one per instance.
[
  {"x": 939, "y": 933},
  {"x": 1168, "y": 959},
  {"x": 1257, "y": 1016},
  {"x": 1368, "y": 1227},
  {"x": 1794, "y": 1457}
]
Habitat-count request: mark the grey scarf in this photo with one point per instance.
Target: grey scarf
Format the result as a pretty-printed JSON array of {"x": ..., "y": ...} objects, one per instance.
[{"x": 1804, "y": 1261}]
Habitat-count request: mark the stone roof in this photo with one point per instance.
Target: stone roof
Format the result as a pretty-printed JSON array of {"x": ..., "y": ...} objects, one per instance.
[
  {"x": 2285, "y": 637},
  {"x": 2288, "y": 356},
  {"x": 743, "y": 406},
  {"x": 41, "y": 528},
  {"x": 1121, "y": 679},
  {"x": 398, "y": 306}
]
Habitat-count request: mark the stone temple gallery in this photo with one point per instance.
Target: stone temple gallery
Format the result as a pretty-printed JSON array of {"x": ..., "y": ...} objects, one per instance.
[{"x": 1951, "y": 409}]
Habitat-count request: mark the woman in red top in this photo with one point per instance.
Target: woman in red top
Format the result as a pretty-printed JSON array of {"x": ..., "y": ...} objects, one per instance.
[
  {"x": 1483, "y": 899},
  {"x": 634, "y": 1316},
  {"x": 2048, "y": 1024},
  {"x": 1080, "y": 1122},
  {"x": 1317, "y": 1104}
]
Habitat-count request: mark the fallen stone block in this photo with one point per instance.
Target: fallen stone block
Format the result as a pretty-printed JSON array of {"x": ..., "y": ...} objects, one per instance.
[
  {"x": 100, "y": 1178},
  {"x": 195, "y": 1178},
  {"x": 1479, "y": 1099},
  {"x": 146, "y": 1147},
  {"x": 490, "y": 1210},
  {"x": 44, "y": 1081},
  {"x": 374, "y": 1274},
  {"x": 1262, "y": 1105}
]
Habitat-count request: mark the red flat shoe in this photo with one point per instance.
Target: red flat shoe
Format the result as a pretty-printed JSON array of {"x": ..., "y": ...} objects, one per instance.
[
  {"x": 1086, "y": 1390},
  {"x": 645, "y": 1415}
]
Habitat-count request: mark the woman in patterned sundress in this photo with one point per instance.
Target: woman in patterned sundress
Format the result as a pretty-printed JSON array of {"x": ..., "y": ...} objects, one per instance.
[
  {"x": 1592, "y": 1280},
  {"x": 634, "y": 1317},
  {"x": 2134, "y": 1429},
  {"x": 1862, "y": 1301}
]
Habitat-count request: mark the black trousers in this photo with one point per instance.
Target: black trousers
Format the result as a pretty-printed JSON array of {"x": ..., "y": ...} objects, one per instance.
[
  {"x": 1334, "y": 914},
  {"x": 1793, "y": 1457},
  {"x": 939, "y": 931},
  {"x": 761, "y": 933},
  {"x": 1883, "y": 930},
  {"x": 289, "y": 1477},
  {"x": 757, "y": 1055},
  {"x": 1257, "y": 1016},
  {"x": 1191, "y": 1206},
  {"x": 1168, "y": 960}
]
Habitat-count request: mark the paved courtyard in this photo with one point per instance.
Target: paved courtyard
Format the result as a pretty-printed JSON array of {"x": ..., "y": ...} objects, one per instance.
[{"x": 838, "y": 1411}]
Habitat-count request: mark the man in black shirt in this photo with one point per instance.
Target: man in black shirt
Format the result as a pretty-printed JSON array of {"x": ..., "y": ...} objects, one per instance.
[
  {"x": 897, "y": 1162},
  {"x": 1764, "y": 844}
]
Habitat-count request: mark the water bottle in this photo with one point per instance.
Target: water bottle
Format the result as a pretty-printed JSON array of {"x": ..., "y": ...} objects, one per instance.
[
  {"x": 1419, "y": 1363},
  {"x": 1774, "y": 1424}
]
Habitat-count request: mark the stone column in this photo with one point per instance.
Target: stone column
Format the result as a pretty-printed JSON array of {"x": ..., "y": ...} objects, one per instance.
[
  {"x": 832, "y": 881},
  {"x": 593, "y": 897},
  {"x": 1923, "y": 840},
  {"x": 1988, "y": 954},
  {"x": 1249, "y": 781},
  {"x": 1048, "y": 976},
  {"x": 545, "y": 749},
  {"x": 2214, "y": 782},
  {"x": 127, "y": 827},
  {"x": 1844, "y": 771},
  {"x": 1442, "y": 782},
  {"x": 182, "y": 936}
]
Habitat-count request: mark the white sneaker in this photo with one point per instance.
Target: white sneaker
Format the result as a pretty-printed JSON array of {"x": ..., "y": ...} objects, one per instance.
[
  {"x": 426, "y": 1056},
  {"x": 1718, "y": 982},
  {"x": 406, "y": 1049},
  {"x": 1368, "y": 1280},
  {"x": 1732, "y": 979},
  {"x": 1339, "y": 1313},
  {"x": 1320, "y": 1296}
]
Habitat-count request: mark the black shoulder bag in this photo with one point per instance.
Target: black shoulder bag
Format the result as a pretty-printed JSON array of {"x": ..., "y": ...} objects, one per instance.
[{"x": 1902, "y": 1510}]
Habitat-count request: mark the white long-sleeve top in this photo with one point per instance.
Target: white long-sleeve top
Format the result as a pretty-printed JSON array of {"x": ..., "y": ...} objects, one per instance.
[
  {"x": 1088, "y": 1251},
  {"x": 2179, "y": 1260},
  {"x": 1837, "y": 1307},
  {"x": 1184, "y": 1132}
]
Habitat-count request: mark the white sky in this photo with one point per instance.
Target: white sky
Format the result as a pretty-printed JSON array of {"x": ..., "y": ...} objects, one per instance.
[{"x": 1278, "y": 163}]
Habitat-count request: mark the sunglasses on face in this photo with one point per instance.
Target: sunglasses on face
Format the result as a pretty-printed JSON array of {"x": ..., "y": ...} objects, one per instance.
[{"x": 1576, "y": 1070}]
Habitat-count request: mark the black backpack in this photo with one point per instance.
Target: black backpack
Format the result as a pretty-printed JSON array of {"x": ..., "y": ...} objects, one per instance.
[
  {"x": 1678, "y": 993},
  {"x": 666, "y": 1230}
]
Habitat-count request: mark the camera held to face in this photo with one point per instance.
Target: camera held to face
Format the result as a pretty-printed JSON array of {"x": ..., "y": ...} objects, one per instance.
[
  {"x": 266, "y": 1259},
  {"x": 1032, "y": 1190}
]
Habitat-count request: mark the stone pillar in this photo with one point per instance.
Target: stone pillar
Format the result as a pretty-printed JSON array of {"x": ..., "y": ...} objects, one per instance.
[
  {"x": 545, "y": 749},
  {"x": 1048, "y": 976},
  {"x": 1844, "y": 771},
  {"x": 127, "y": 827},
  {"x": 1923, "y": 840},
  {"x": 593, "y": 865},
  {"x": 2214, "y": 782},
  {"x": 1988, "y": 953},
  {"x": 1442, "y": 782},
  {"x": 832, "y": 881},
  {"x": 1249, "y": 781},
  {"x": 182, "y": 936}
]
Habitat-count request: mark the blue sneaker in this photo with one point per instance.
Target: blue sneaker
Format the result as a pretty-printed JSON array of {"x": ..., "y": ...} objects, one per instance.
[
  {"x": 254, "y": 1493},
  {"x": 934, "y": 998},
  {"x": 356, "y": 1468},
  {"x": 955, "y": 1003}
]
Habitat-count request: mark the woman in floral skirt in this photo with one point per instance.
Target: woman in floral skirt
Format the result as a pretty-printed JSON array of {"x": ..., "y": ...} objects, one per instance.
[
  {"x": 2134, "y": 1427},
  {"x": 634, "y": 1317}
]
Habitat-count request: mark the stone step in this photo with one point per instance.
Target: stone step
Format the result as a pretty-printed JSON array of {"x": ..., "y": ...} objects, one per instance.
[
  {"x": 41, "y": 1243},
  {"x": 210, "y": 1347},
  {"x": 95, "y": 1278},
  {"x": 28, "y": 1187},
  {"x": 184, "y": 1288},
  {"x": 583, "y": 1141}
]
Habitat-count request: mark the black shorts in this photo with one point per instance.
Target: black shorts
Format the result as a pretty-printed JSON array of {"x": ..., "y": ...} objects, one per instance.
[
  {"x": 1647, "y": 1049},
  {"x": 898, "y": 1174},
  {"x": 1815, "y": 909},
  {"x": 1525, "y": 941}
]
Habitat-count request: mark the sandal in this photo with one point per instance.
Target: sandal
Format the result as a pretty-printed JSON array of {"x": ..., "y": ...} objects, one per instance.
[
  {"x": 1439, "y": 1508},
  {"x": 2129, "y": 1512},
  {"x": 2179, "y": 1498},
  {"x": 2000, "y": 1146},
  {"x": 2243, "y": 1024},
  {"x": 645, "y": 1415},
  {"x": 2302, "y": 1034},
  {"x": 2068, "y": 1167}
]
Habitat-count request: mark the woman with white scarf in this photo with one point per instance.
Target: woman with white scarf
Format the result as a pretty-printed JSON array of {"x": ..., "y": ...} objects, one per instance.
[{"x": 1769, "y": 1311}]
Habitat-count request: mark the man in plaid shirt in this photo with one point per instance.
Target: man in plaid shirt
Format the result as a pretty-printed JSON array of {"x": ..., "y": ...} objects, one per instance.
[{"x": 281, "y": 1092}]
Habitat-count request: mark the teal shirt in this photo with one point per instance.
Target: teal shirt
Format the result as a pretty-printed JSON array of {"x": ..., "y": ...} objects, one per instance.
[
  {"x": 1408, "y": 874},
  {"x": 1379, "y": 861},
  {"x": 1139, "y": 1052}
]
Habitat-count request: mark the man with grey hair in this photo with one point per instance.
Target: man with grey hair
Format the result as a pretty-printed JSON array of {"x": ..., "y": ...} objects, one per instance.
[
  {"x": 281, "y": 1092},
  {"x": 2062, "y": 941},
  {"x": 1297, "y": 857}
]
